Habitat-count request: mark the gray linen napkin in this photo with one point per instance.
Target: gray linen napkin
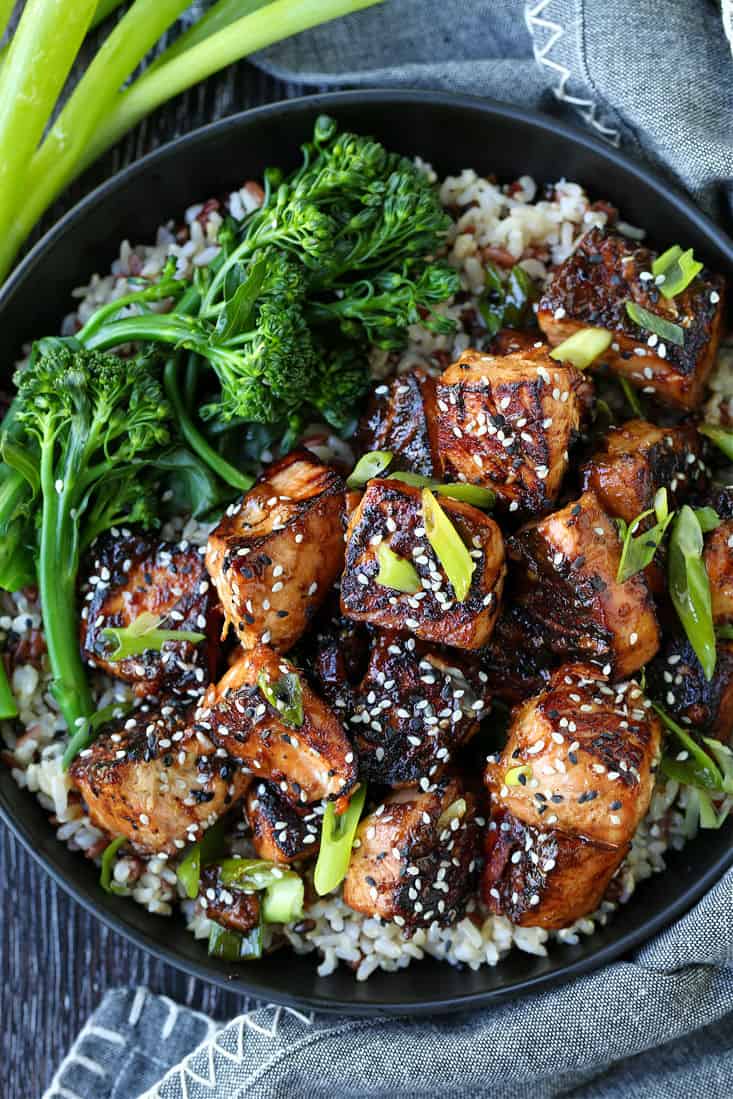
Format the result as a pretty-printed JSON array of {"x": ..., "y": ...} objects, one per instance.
[
  {"x": 656, "y": 77},
  {"x": 656, "y": 1027}
]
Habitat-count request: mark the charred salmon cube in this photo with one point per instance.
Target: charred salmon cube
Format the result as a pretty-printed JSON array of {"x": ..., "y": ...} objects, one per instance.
[
  {"x": 508, "y": 423},
  {"x": 401, "y": 417},
  {"x": 232, "y": 908},
  {"x": 415, "y": 707},
  {"x": 570, "y": 787},
  {"x": 637, "y": 459},
  {"x": 337, "y": 656},
  {"x": 300, "y": 745},
  {"x": 155, "y": 780},
  {"x": 718, "y": 559},
  {"x": 391, "y": 512},
  {"x": 565, "y": 568},
  {"x": 276, "y": 553},
  {"x": 676, "y": 679},
  {"x": 281, "y": 830},
  {"x": 517, "y": 661},
  {"x": 543, "y": 877},
  {"x": 416, "y": 857},
  {"x": 592, "y": 288},
  {"x": 130, "y": 574}
]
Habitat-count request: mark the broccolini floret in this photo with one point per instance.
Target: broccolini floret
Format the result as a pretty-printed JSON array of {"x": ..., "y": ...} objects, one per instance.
[{"x": 93, "y": 421}]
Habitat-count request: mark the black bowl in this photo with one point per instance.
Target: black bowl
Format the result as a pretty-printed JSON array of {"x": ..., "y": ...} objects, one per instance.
[{"x": 452, "y": 132}]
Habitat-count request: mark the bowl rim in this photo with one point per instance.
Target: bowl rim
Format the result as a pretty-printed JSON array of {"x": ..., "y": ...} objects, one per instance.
[{"x": 250, "y": 984}]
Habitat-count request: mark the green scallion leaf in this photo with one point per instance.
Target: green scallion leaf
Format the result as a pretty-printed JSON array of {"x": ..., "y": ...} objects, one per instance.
[
  {"x": 698, "y": 769},
  {"x": 721, "y": 437},
  {"x": 689, "y": 587},
  {"x": 725, "y": 633},
  {"x": 678, "y": 268},
  {"x": 667, "y": 260},
  {"x": 108, "y": 861},
  {"x": 632, "y": 397},
  {"x": 285, "y": 695},
  {"x": 638, "y": 552},
  {"x": 283, "y": 899},
  {"x": 583, "y": 347},
  {"x": 199, "y": 854},
  {"x": 234, "y": 946},
  {"x": 448, "y": 546},
  {"x": 708, "y": 519},
  {"x": 337, "y": 841},
  {"x": 8, "y": 705},
  {"x": 396, "y": 572},
  {"x": 369, "y": 465},
  {"x": 143, "y": 635},
  {"x": 476, "y": 495},
  {"x": 507, "y": 302},
  {"x": 666, "y": 330},
  {"x": 248, "y": 875},
  {"x": 87, "y": 729}
]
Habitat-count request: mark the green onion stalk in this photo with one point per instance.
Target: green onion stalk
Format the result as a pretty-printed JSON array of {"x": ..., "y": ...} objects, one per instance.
[{"x": 100, "y": 111}]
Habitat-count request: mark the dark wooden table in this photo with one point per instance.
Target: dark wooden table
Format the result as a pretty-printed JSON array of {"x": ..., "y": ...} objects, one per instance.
[{"x": 56, "y": 960}]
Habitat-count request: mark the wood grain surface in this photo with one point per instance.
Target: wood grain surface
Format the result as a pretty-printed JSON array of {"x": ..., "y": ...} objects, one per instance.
[{"x": 56, "y": 960}]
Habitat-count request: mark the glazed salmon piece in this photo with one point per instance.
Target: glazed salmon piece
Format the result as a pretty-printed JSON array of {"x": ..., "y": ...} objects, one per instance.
[
  {"x": 402, "y": 417},
  {"x": 508, "y": 423},
  {"x": 391, "y": 512},
  {"x": 676, "y": 679},
  {"x": 276, "y": 553},
  {"x": 282, "y": 831},
  {"x": 133, "y": 573},
  {"x": 637, "y": 459},
  {"x": 416, "y": 857},
  {"x": 308, "y": 761},
  {"x": 568, "y": 791},
  {"x": 564, "y": 574},
  {"x": 591, "y": 289},
  {"x": 154, "y": 779}
]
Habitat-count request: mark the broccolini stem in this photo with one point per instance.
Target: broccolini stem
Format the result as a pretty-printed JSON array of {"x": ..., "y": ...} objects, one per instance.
[
  {"x": 58, "y": 563},
  {"x": 193, "y": 436}
]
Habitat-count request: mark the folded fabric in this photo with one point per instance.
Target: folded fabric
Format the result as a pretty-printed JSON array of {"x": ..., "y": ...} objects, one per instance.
[
  {"x": 659, "y": 1027},
  {"x": 656, "y": 78}
]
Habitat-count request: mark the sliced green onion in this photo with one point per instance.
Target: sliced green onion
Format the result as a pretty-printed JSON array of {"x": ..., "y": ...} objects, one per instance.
[
  {"x": 699, "y": 769},
  {"x": 632, "y": 397},
  {"x": 143, "y": 635},
  {"x": 108, "y": 861},
  {"x": 723, "y": 756},
  {"x": 689, "y": 587},
  {"x": 455, "y": 811},
  {"x": 448, "y": 546},
  {"x": 249, "y": 875},
  {"x": 708, "y": 519},
  {"x": 206, "y": 850},
  {"x": 514, "y": 775},
  {"x": 678, "y": 268},
  {"x": 233, "y": 946},
  {"x": 337, "y": 840},
  {"x": 284, "y": 695},
  {"x": 8, "y": 705},
  {"x": 722, "y": 438},
  {"x": 666, "y": 330},
  {"x": 369, "y": 465},
  {"x": 283, "y": 900},
  {"x": 87, "y": 729},
  {"x": 639, "y": 551},
  {"x": 476, "y": 495},
  {"x": 667, "y": 259},
  {"x": 583, "y": 347},
  {"x": 396, "y": 572}
]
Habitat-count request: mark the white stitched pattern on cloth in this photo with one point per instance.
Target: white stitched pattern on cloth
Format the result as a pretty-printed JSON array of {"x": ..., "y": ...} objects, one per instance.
[{"x": 540, "y": 25}]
